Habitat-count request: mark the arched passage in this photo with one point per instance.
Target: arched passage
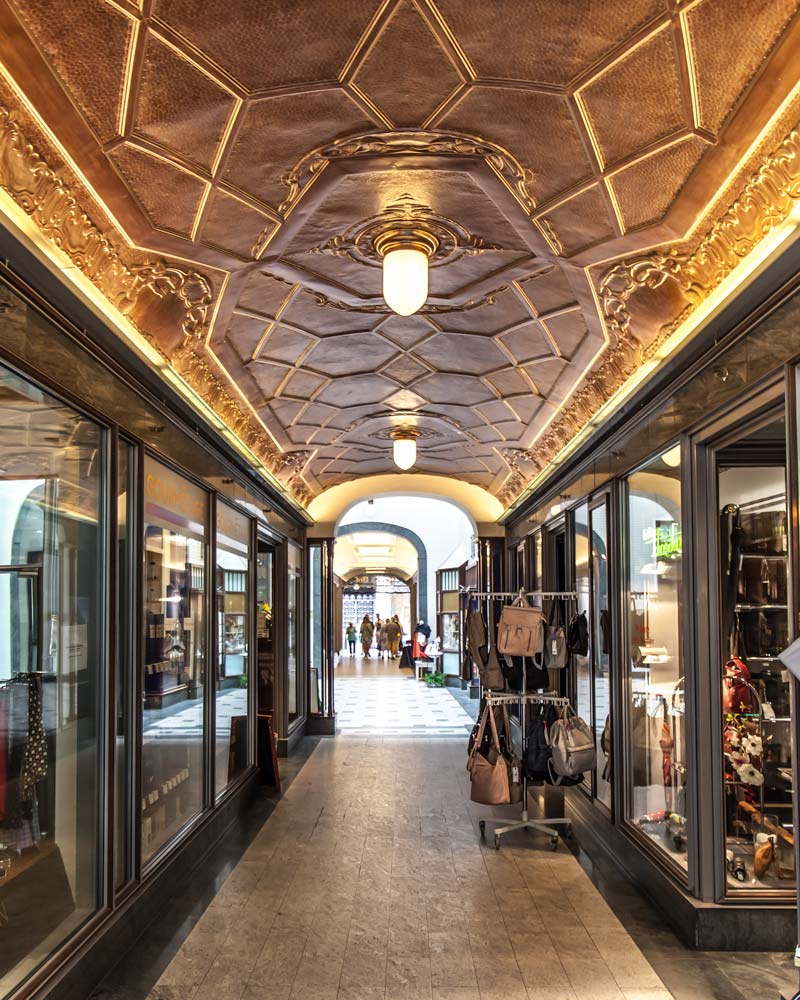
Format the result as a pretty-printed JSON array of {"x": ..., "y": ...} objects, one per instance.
[{"x": 402, "y": 532}]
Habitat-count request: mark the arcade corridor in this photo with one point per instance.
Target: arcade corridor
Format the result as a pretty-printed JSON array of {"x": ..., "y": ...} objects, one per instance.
[{"x": 464, "y": 331}]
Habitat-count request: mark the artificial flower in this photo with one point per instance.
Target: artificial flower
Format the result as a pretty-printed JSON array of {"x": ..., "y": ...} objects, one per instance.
[{"x": 750, "y": 775}]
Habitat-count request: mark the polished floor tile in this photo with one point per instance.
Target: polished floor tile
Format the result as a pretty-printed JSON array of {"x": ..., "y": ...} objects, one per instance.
[{"x": 369, "y": 881}]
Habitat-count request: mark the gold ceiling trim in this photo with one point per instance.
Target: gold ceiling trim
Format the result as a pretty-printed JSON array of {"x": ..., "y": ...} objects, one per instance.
[
  {"x": 410, "y": 142},
  {"x": 50, "y": 203},
  {"x": 361, "y": 242},
  {"x": 429, "y": 309},
  {"x": 765, "y": 202},
  {"x": 124, "y": 281}
]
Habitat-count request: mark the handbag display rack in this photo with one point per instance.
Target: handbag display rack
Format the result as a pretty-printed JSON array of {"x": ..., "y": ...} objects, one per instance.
[{"x": 553, "y": 827}]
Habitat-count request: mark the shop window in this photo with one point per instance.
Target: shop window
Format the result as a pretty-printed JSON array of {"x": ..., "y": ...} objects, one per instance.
[
  {"x": 583, "y": 664},
  {"x": 232, "y": 680},
  {"x": 52, "y": 668},
  {"x": 173, "y": 725},
  {"x": 292, "y": 591},
  {"x": 265, "y": 632},
  {"x": 754, "y": 625},
  {"x": 315, "y": 631},
  {"x": 657, "y": 803},
  {"x": 125, "y": 680},
  {"x": 600, "y": 639}
]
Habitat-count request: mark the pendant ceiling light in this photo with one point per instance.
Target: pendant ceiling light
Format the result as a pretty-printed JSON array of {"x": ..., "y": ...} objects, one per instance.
[
  {"x": 404, "y": 449},
  {"x": 405, "y": 268}
]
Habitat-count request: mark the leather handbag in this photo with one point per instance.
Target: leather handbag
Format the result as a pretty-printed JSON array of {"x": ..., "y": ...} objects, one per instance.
[
  {"x": 519, "y": 631},
  {"x": 572, "y": 745},
  {"x": 485, "y": 659},
  {"x": 556, "y": 655},
  {"x": 737, "y": 697},
  {"x": 512, "y": 762},
  {"x": 488, "y": 775}
]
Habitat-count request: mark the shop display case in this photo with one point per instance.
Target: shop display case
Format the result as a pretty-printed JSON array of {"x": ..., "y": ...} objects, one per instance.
[{"x": 756, "y": 712}]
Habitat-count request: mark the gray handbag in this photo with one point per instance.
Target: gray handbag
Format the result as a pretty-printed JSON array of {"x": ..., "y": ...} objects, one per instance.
[
  {"x": 556, "y": 655},
  {"x": 572, "y": 745}
]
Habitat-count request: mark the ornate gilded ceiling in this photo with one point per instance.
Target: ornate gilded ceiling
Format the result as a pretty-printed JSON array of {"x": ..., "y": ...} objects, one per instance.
[{"x": 219, "y": 171}]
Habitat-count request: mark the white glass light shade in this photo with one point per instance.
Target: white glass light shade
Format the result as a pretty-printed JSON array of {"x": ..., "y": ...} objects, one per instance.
[
  {"x": 672, "y": 458},
  {"x": 404, "y": 452},
  {"x": 405, "y": 280}
]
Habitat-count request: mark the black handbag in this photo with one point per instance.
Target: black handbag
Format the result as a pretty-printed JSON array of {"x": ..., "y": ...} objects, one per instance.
[
  {"x": 537, "y": 750},
  {"x": 578, "y": 635}
]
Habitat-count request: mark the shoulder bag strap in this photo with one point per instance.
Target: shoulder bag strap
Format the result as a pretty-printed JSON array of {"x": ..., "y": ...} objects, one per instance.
[
  {"x": 493, "y": 724},
  {"x": 479, "y": 738}
]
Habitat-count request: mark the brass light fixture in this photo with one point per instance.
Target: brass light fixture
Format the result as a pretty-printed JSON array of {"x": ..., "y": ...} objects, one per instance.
[
  {"x": 406, "y": 254},
  {"x": 404, "y": 449}
]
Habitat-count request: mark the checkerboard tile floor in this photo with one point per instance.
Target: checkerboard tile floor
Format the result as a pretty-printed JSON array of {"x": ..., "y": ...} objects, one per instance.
[{"x": 396, "y": 706}]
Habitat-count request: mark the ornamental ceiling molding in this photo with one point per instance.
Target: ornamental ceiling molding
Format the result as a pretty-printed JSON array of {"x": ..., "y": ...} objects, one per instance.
[
  {"x": 49, "y": 201},
  {"x": 360, "y": 243},
  {"x": 765, "y": 201},
  {"x": 429, "y": 309},
  {"x": 130, "y": 284},
  {"x": 410, "y": 142}
]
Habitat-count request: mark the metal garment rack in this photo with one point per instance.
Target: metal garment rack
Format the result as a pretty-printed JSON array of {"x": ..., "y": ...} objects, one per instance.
[{"x": 553, "y": 827}]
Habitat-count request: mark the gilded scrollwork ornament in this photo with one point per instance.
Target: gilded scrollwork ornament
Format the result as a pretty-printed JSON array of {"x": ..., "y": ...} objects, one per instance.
[{"x": 408, "y": 142}]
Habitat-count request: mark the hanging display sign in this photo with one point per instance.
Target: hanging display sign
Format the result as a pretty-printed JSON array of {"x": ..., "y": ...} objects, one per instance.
[
  {"x": 666, "y": 538},
  {"x": 174, "y": 495}
]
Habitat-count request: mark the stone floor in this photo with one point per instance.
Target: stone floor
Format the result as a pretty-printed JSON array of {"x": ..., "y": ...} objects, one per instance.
[{"x": 369, "y": 882}]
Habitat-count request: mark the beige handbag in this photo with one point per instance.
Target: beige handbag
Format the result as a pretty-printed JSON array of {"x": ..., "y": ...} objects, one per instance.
[
  {"x": 520, "y": 631},
  {"x": 488, "y": 776}
]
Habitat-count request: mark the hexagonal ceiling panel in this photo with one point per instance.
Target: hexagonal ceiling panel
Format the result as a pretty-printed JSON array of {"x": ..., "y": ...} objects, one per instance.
[{"x": 252, "y": 148}]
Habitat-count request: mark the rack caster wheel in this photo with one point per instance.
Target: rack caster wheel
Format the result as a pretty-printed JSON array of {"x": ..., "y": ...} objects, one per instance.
[
  {"x": 554, "y": 842},
  {"x": 496, "y": 842},
  {"x": 482, "y": 827}
]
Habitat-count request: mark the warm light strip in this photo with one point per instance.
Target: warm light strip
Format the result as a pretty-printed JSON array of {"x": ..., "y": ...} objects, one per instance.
[
  {"x": 770, "y": 247},
  {"x": 29, "y": 233}
]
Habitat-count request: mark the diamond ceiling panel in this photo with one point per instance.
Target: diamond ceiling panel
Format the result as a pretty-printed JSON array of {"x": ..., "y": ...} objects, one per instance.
[
  {"x": 407, "y": 99},
  {"x": 169, "y": 195},
  {"x": 638, "y": 100},
  {"x": 174, "y": 98},
  {"x": 539, "y": 127},
  {"x": 271, "y": 44},
  {"x": 253, "y": 151},
  {"x": 567, "y": 38},
  {"x": 351, "y": 354}
]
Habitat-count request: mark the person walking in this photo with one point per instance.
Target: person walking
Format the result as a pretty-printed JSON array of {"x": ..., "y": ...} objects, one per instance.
[
  {"x": 392, "y": 630},
  {"x": 378, "y": 629},
  {"x": 351, "y": 638},
  {"x": 367, "y": 631},
  {"x": 383, "y": 640}
]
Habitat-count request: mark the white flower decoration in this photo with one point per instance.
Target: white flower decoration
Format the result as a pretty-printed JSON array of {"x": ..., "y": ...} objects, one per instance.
[{"x": 750, "y": 775}]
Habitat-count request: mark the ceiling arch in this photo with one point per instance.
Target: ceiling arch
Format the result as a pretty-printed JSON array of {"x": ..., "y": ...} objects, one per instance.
[
  {"x": 372, "y": 527},
  {"x": 480, "y": 507},
  {"x": 214, "y": 169}
]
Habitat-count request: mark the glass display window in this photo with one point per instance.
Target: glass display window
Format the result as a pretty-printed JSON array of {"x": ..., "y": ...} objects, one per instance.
[
  {"x": 657, "y": 803},
  {"x": 294, "y": 573},
  {"x": 52, "y": 662},
  {"x": 756, "y": 722},
  {"x": 232, "y": 677},
  {"x": 265, "y": 629},
  {"x": 583, "y": 664},
  {"x": 173, "y": 726},
  {"x": 600, "y": 639}
]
